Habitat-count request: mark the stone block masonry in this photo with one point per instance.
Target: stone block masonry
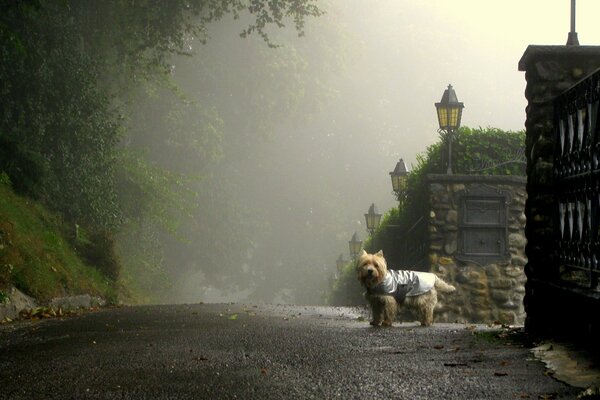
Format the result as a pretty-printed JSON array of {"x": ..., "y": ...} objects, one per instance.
[{"x": 490, "y": 288}]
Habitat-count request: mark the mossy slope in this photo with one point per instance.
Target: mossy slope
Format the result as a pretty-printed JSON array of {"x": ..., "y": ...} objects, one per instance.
[{"x": 37, "y": 258}]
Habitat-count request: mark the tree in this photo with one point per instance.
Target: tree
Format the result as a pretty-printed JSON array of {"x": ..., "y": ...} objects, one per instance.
[{"x": 70, "y": 74}]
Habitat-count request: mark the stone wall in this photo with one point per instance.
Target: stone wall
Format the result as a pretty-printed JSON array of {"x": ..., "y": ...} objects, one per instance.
[
  {"x": 549, "y": 71},
  {"x": 487, "y": 292}
]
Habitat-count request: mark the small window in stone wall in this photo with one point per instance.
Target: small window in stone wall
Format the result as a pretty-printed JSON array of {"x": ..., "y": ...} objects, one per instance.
[{"x": 483, "y": 225}]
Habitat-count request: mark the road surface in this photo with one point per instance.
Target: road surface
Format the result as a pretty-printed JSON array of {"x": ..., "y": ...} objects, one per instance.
[{"x": 225, "y": 351}]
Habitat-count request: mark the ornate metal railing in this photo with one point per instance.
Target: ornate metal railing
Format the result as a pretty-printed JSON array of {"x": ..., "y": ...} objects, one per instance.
[
  {"x": 577, "y": 184},
  {"x": 408, "y": 250}
]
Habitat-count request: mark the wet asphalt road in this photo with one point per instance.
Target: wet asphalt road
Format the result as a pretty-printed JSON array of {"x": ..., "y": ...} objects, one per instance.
[{"x": 265, "y": 352}]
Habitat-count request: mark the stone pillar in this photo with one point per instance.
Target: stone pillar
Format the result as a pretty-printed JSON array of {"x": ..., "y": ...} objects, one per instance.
[
  {"x": 489, "y": 288},
  {"x": 549, "y": 71}
]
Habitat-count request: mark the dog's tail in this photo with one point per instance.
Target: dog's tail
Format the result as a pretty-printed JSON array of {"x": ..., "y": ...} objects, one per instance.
[{"x": 443, "y": 287}]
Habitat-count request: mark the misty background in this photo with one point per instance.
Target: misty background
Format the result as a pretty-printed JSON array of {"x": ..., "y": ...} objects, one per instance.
[{"x": 289, "y": 146}]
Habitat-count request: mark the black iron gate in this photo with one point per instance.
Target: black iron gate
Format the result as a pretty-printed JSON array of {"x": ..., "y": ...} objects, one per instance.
[{"x": 577, "y": 185}]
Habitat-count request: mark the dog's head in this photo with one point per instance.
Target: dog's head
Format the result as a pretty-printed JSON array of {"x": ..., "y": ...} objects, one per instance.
[{"x": 371, "y": 268}]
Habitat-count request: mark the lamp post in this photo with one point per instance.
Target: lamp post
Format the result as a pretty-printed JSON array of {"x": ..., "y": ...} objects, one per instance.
[
  {"x": 340, "y": 262},
  {"x": 449, "y": 112},
  {"x": 399, "y": 180},
  {"x": 355, "y": 245},
  {"x": 372, "y": 218},
  {"x": 572, "y": 39}
]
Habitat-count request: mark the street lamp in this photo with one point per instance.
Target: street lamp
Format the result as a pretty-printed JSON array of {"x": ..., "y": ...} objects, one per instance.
[
  {"x": 372, "y": 218},
  {"x": 355, "y": 245},
  {"x": 340, "y": 262},
  {"x": 449, "y": 112},
  {"x": 399, "y": 179}
]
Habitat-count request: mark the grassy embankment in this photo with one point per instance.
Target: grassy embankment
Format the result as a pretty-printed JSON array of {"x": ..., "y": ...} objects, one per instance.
[{"x": 37, "y": 258}]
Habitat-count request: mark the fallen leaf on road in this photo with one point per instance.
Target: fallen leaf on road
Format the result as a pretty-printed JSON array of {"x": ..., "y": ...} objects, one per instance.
[
  {"x": 438, "y": 347},
  {"x": 263, "y": 371},
  {"x": 233, "y": 317},
  {"x": 455, "y": 365}
]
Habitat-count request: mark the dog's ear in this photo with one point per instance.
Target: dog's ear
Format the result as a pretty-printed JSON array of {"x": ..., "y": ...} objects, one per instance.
[
  {"x": 362, "y": 253},
  {"x": 379, "y": 253}
]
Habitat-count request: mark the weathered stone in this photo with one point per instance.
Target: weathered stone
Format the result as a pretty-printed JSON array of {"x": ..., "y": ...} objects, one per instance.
[
  {"x": 436, "y": 188},
  {"x": 433, "y": 258},
  {"x": 517, "y": 240},
  {"x": 72, "y": 302},
  {"x": 446, "y": 261},
  {"x": 519, "y": 289},
  {"x": 501, "y": 296},
  {"x": 502, "y": 283},
  {"x": 479, "y": 287},
  {"x": 518, "y": 260},
  {"x": 435, "y": 247},
  {"x": 475, "y": 283},
  {"x": 507, "y": 317},
  {"x": 462, "y": 278},
  {"x": 475, "y": 275},
  {"x": 510, "y": 305},
  {"x": 543, "y": 174},
  {"x": 450, "y": 247},
  {"x": 17, "y": 302},
  {"x": 513, "y": 271},
  {"x": 492, "y": 271},
  {"x": 452, "y": 217},
  {"x": 480, "y": 316},
  {"x": 457, "y": 187}
]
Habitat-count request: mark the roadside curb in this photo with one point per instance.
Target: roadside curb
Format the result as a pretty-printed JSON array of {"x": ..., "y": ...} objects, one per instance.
[{"x": 18, "y": 303}]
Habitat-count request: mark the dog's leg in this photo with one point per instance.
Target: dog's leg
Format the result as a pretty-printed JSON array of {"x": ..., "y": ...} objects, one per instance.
[
  {"x": 390, "y": 310},
  {"x": 424, "y": 304},
  {"x": 377, "y": 309},
  {"x": 427, "y": 318}
]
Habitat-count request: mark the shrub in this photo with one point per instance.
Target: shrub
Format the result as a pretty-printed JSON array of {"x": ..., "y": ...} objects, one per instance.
[{"x": 99, "y": 251}]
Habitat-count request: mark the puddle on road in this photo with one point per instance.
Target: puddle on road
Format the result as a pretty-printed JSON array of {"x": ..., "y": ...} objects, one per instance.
[{"x": 570, "y": 365}]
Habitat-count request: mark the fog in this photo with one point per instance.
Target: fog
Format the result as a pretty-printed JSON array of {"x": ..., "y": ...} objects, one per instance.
[{"x": 309, "y": 131}]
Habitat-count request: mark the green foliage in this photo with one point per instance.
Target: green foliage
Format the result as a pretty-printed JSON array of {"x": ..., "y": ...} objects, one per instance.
[
  {"x": 484, "y": 151},
  {"x": 56, "y": 122},
  {"x": 36, "y": 255},
  {"x": 77, "y": 76},
  {"x": 346, "y": 289},
  {"x": 5, "y": 179},
  {"x": 99, "y": 251}
]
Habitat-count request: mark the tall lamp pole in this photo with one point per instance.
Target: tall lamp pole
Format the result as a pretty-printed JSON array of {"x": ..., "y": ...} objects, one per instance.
[
  {"x": 572, "y": 40},
  {"x": 399, "y": 180},
  {"x": 372, "y": 219},
  {"x": 449, "y": 112},
  {"x": 354, "y": 244}
]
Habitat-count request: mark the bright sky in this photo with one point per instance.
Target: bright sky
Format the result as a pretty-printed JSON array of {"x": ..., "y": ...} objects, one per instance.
[
  {"x": 412, "y": 49},
  {"x": 473, "y": 44},
  {"x": 491, "y": 36}
]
